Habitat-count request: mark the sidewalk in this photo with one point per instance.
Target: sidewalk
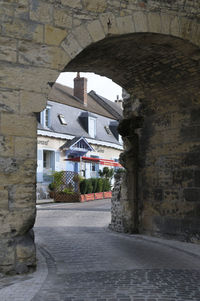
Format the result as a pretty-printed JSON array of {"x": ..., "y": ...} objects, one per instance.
[
  {"x": 44, "y": 201},
  {"x": 80, "y": 259}
]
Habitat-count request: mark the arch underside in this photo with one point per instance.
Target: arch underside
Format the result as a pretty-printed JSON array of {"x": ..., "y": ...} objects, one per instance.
[{"x": 162, "y": 75}]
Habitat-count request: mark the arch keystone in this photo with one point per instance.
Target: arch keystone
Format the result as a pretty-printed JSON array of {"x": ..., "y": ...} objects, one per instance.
[
  {"x": 140, "y": 20},
  {"x": 174, "y": 27},
  {"x": 82, "y": 36},
  {"x": 71, "y": 46},
  {"x": 95, "y": 30},
  {"x": 125, "y": 24},
  {"x": 109, "y": 24},
  {"x": 154, "y": 22}
]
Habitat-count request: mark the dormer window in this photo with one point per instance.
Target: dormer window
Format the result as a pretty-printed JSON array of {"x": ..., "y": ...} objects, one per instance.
[
  {"x": 108, "y": 131},
  {"x": 120, "y": 139},
  {"x": 45, "y": 117},
  {"x": 92, "y": 127},
  {"x": 62, "y": 119}
]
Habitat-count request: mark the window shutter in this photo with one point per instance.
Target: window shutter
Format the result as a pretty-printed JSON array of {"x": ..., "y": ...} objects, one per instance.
[
  {"x": 40, "y": 165},
  {"x": 57, "y": 161}
]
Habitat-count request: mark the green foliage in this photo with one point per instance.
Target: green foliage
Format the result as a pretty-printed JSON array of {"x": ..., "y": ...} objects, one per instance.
[
  {"x": 89, "y": 186},
  {"x": 94, "y": 184},
  {"x": 51, "y": 186},
  {"x": 58, "y": 180},
  {"x": 68, "y": 191},
  {"x": 120, "y": 171},
  {"x": 106, "y": 173},
  {"x": 83, "y": 186},
  {"x": 106, "y": 184},
  {"x": 99, "y": 185}
]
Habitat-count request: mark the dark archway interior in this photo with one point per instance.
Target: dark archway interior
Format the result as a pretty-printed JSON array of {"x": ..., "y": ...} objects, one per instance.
[
  {"x": 162, "y": 75},
  {"x": 155, "y": 62}
]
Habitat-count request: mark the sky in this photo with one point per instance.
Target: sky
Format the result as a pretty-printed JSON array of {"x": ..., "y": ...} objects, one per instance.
[{"x": 100, "y": 84}]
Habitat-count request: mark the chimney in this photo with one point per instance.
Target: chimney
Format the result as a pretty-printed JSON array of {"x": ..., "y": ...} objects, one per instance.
[
  {"x": 80, "y": 88},
  {"x": 119, "y": 102}
]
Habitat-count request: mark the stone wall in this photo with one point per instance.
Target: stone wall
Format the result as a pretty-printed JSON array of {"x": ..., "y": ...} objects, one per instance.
[
  {"x": 119, "y": 214},
  {"x": 151, "y": 48}
]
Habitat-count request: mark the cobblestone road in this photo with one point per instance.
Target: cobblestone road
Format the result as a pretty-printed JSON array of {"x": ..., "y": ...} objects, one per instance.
[{"x": 88, "y": 262}]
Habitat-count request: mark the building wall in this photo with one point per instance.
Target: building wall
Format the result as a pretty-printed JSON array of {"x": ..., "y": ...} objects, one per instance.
[{"x": 53, "y": 145}]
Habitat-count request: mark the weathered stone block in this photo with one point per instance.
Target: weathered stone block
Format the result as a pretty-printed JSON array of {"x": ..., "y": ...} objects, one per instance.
[
  {"x": 95, "y": 5},
  {"x": 192, "y": 194},
  {"x": 27, "y": 78},
  {"x": 61, "y": 18},
  {"x": 23, "y": 196},
  {"x": 8, "y": 49},
  {"x": 6, "y": 146},
  {"x": 95, "y": 30},
  {"x": 154, "y": 22},
  {"x": 197, "y": 178},
  {"x": 3, "y": 198},
  {"x": 25, "y": 147},
  {"x": 71, "y": 46},
  {"x": 25, "y": 252},
  {"x": 32, "y": 102},
  {"x": 14, "y": 125},
  {"x": 174, "y": 26},
  {"x": 22, "y": 29},
  {"x": 9, "y": 101},
  {"x": 54, "y": 35},
  {"x": 41, "y": 11},
  {"x": 22, "y": 9},
  {"x": 72, "y": 3},
  {"x": 125, "y": 24},
  {"x": 7, "y": 255},
  {"x": 140, "y": 21},
  {"x": 82, "y": 36},
  {"x": 47, "y": 56},
  {"x": 109, "y": 24}
]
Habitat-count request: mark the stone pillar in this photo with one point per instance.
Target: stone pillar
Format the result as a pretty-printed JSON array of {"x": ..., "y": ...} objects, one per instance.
[
  {"x": 129, "y": 159},
  {"x": 18, "y": 160}
]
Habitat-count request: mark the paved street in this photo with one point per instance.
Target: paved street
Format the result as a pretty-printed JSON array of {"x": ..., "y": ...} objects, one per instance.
[{"x": 80, "y": 259}]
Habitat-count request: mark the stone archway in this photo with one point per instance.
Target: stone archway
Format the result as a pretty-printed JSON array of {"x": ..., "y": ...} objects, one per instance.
[
  {"x": 38, "y": 40},
  {"x": 160, "y": 129}
]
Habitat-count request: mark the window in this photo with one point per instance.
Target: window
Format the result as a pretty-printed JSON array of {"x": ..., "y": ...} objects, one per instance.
[
  {"x": 45, "y": 117},
  {"x": 92, "y": 127},
  {"x": 108, "y": 131},
  {"x": 48, "y": 165},
  {"x": 62, "y": 119},
  {"x": 120, "y": 139}
]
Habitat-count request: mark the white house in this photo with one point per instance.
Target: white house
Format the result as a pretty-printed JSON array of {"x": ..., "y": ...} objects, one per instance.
[{"x": 77, "y": 132}]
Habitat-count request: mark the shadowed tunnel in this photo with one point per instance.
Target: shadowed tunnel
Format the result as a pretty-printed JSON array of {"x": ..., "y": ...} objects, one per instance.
[{"x": 161, "y": 74}]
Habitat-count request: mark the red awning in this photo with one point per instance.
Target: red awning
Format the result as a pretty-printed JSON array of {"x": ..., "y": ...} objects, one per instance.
[{"x": 95, "y": 160}]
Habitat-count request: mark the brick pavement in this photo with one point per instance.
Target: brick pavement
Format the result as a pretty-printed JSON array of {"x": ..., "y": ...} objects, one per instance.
[{"x": 88, "y": 262}]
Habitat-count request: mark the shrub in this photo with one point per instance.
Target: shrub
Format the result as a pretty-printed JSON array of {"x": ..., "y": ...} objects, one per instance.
[
  {"x": 51, "y": 186},
  {"x": 83, "y": 186},
  {"x": 99, "y": 185},
  {"x": 106, "y": 184},
  {"x": 68, "y": 191},
  {"x": 94, "y": 184},
  {"x": 89, "y": 186},
  {"x": 58, "y": 180}
]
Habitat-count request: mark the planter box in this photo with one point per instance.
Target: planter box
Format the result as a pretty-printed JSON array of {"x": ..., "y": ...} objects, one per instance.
[
  {"x": 89, "y": 197},
  {"x": 98, "y": 195},
  {"x": 95, "y": 196},
  {"x": 82, "y": 198},
  {"x": 107, "y": 194},
  {"x": 66, "y": 198}
]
